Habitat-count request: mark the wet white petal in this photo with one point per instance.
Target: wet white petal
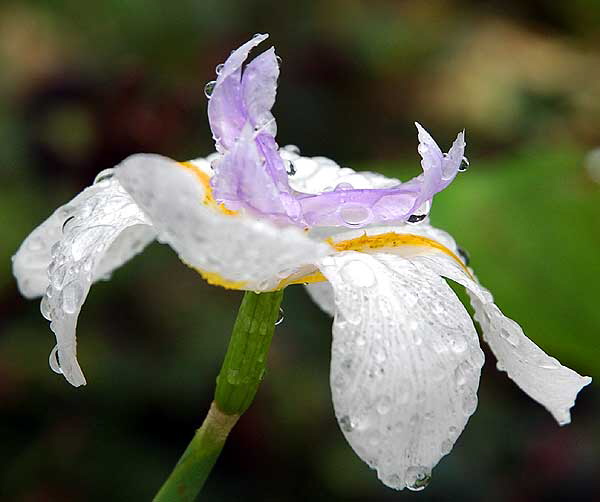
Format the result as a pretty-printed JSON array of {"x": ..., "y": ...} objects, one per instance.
[
  {"x": 253, "y": 253},
  {"x": 405, "y": 364},
  {"x": 31, "y": 261},
  {"x": 541, "y": 376},
  {"x": 107, "y": 217}
]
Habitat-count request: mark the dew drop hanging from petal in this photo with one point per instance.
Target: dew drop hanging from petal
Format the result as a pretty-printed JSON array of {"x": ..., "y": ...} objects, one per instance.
[
  {"x": 219, "y": 68},
  {"x": 209, "y": 88},
  {"x": 281, "y": 317},
  {"x": 417, "y": 478},
  {"x": 464, "y": 165},
  {"x": 54, "y": 361}
]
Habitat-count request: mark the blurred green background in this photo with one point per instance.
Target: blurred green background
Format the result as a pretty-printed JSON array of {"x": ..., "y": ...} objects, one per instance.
[{"x": 84, "y": 84}]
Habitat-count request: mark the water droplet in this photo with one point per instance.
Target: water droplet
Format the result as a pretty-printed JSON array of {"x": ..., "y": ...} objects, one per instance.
[
  {"x": 46, "y": 308},
  {"x": 464, "y": 256},
  {"x": 281, "y": 317},
  {"x": 72, "y": 296},
  {"x": 464, "y": 165},
  {"x": 355, "y": 215},
  {"x": 67, "y": 223},
  {"x": 233, "y": 376},
  {"x": 278, "y": 59},
  {"x": 359, "y": 274},
  {"x": 290, "y": 169},
  {"x": 57, "y": 277},
  {"x": 209, "y": 88},
  {"x": 549, "y": 363},
  {"x": 469, "y": 404},
  {"x": 458, "y": 344},
  {"x": 346, "y": 423},
  {"x": 361, "y": 341},
  {"x": 35, "y": 243},
  {"x": 104, "y": 175},
  {"x": 509, "y": 337},
  {"x": 383, "y": 405},
  {"x": 417, "y": 478},
  {"x": 54, "y": 361},
  {"x": 292, "y": 149},
  {"x": 416, "y": 218},
  {"x": 379, "y": 355},
  {"x": 343, "y": 186},
  {"x": 219, "y": 68}
]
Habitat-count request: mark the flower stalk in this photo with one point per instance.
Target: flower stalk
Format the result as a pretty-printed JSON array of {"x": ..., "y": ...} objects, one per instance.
[{"x": 241, "y": 373}]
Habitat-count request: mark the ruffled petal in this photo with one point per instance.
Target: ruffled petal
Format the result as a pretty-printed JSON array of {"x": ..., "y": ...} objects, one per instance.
[
  {"x": 102, "y": 231},
  {"x": 236, "y": 251},
  {"x": 226, "y": 111},
  {"x": 542, "y": 377},
  {"x": 438, "y": 169},
  {"x": 405, "y": 364}
]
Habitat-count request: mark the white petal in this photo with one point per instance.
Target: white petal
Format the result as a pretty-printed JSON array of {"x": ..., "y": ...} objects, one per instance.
[
  {"x": 254, "y": 254},
  {"x": 405, "y": 364},
  {"x": 107, "y": 217},
  {"x": 319, "y": 174},
  {"x": 31, "y": 261},
  {"x": 542, "y": 377},
  {"x": 322, "y": 294}
]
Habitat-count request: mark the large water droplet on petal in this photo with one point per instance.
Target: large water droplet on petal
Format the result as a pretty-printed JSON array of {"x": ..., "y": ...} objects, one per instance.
[
  {"x": 417, "y": 478},
  {"x": 343, "y": 186},
  {"x": 209, "y": 88},
  {"x": 346, "y": 423},
  {"x": 104, "y": 175},
  {"x": 359, "y": 274},
  {"x": 219, "y": 68},
  {"x": 383, "y": 405},
  {"x": 54, "y": 361},
  {"x": 355, "y": 215},
  {"x": 45, "y": 308},
  {"x": 464, "y": 165},
  {"x": 72, "y": 296}
]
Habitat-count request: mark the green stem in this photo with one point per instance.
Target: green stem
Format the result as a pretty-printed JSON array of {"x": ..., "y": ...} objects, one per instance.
[{"x": 242, "y": 371}]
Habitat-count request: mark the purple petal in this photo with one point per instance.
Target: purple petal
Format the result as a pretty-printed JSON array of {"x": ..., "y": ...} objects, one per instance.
[
  {"x": 226, "y": 111},
  {"x": 259, "y": 86},
  {"x": 243, "y": 180}
]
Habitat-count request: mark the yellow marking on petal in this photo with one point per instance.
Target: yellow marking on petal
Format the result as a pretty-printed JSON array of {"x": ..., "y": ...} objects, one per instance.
[
  {"x": 391, "y": 240},
  {"x": 311, "y": 278},
  {"x": 204, "y": 178},
  {"x": 216, "y": 280}
]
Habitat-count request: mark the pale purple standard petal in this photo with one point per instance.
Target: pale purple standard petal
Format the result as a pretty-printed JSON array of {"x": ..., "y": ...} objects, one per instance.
[{"x": 226, "y": 113}]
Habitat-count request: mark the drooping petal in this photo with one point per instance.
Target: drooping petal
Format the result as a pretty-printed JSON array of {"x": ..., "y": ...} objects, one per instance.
[
  {"x": 237, "y": 251},
  {"x": 104, "y": 230},
  {"x": 539, "y": 375},
  {"x": 226, "y": 111},
  {"x": 32, "y": 259},
  {"x": 405, "y": 364}
]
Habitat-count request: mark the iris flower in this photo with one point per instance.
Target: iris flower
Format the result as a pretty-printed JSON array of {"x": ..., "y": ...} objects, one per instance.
[{"x": 406, "y": 358}]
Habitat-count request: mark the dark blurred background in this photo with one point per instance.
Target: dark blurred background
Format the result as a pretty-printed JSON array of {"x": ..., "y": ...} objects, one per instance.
[{"x": 84, "y": 84}]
